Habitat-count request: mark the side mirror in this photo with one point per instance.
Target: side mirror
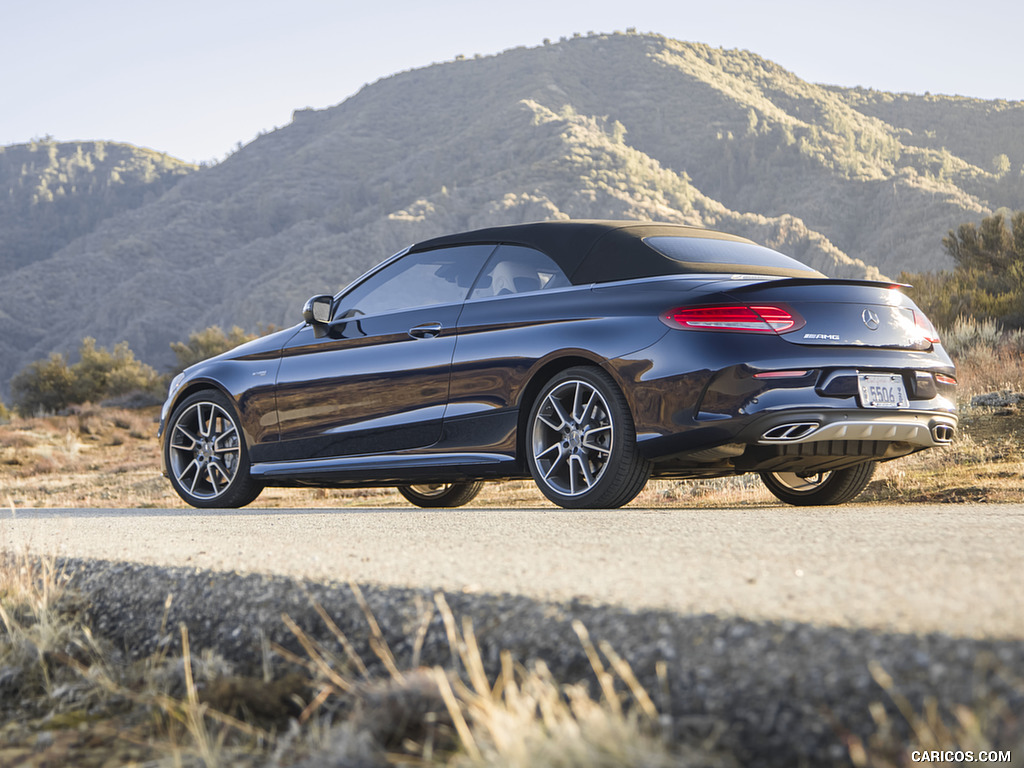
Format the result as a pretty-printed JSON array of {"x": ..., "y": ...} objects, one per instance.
[{"x": 317, "y": 312}]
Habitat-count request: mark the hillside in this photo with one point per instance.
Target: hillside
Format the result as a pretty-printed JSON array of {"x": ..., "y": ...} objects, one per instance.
[
  {"x": 621, "y": 126},
  {"x": 53, "y": 193},
  {"x": 975, "y": 130}
]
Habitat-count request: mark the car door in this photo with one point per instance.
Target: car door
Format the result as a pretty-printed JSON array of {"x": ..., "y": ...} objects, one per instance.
[
  {"x": 518, "y": 312},
  {"x": 378, "y": 382}
]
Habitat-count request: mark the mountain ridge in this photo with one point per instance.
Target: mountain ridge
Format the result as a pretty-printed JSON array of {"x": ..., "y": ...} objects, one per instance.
[{"x": 56, "y": 192}]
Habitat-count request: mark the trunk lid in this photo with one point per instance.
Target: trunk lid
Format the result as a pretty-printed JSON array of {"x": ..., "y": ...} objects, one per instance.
[{"x": 844, "y": 313}]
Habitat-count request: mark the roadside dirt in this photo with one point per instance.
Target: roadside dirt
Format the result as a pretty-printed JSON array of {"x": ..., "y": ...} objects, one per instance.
[{"x": 109, "y": 458}]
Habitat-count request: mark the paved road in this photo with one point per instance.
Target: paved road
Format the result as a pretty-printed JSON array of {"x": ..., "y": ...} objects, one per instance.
[{"x": 951, "y": 568}]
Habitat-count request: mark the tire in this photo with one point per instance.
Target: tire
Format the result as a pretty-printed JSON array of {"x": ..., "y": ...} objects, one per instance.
[
  {"x": 441, "y": 494},
  {"x": 581, "y": 444},
  {"x": 836, "y": 487},
  {"x": 205, "y": 453}
]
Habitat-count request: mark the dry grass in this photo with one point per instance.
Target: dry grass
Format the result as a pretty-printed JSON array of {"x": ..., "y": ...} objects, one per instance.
[
  {"x": 458, "y": 716},
  {"x": 70, "y": 699},
  {"x": 47, "y": 705},
  {"x": 933, "y": 736},
  {"x": 35, "y": 620}
]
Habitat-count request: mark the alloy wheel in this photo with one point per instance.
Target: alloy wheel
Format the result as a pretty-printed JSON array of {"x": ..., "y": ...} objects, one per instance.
[
  {"x": 204, "y": 450},
  {"x": 573, "y": 437}
]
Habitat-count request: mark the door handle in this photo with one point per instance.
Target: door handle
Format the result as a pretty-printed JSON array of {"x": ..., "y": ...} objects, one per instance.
[{"x": 425, "y": 331}]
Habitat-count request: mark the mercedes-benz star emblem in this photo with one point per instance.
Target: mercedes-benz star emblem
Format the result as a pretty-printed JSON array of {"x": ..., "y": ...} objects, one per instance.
[{"x": 871, "y": 320}]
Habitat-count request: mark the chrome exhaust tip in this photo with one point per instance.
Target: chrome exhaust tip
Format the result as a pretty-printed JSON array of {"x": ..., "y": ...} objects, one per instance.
[
  {"x": 789, "y": 432},
  {"x": 943, "y": 433}
]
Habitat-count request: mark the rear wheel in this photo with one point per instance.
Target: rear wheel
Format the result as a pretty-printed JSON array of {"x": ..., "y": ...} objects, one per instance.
[
  {"x": 441, "y": 494},
  {"x": 581, "y": 443},
  {"x": 205, "y": 454},
  {"x": 821, "y": 488}
]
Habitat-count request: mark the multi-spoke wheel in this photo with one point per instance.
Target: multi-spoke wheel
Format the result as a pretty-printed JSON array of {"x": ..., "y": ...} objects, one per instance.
[
  {"x": 581, "y": 444},
  {"x": 205, "y": 453},
  {"x": 441, "y": 494},
  {"x": 820, "y": 488}
]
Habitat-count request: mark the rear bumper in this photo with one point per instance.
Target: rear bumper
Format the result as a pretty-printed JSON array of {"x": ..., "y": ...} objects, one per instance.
[
  {"x": 921, "y": 429},
  {"x": 811, "y": 440}
]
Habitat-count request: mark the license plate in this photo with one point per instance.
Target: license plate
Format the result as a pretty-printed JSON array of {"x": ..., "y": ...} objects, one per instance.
[{"x": 882, "y": 390}]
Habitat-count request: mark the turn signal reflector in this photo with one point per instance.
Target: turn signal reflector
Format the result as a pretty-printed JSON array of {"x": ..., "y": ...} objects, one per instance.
[{"x": 780, "y": 375}]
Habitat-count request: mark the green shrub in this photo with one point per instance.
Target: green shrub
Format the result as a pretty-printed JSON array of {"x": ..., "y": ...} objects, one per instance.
[
  {"x": 988, "y": 281},
  {"x": 101, "y": 374},
  {"x": 43, "y": 386},
  {"x": 51, "y": 385}
]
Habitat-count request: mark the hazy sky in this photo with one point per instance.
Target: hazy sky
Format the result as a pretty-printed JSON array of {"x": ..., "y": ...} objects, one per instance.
[{"x": 195, "y": 77}]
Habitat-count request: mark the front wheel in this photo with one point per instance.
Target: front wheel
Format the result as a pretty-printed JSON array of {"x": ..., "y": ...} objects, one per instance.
[
  {"x": 821, "y": 488},
  {"x": 581, "y": 442},
  {"x": 441, "y": 494},
  {"x": 205, "y": 453}
]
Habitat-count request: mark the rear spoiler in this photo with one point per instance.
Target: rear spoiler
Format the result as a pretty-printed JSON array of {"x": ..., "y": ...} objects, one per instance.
[{"x": 822, "y": 281}]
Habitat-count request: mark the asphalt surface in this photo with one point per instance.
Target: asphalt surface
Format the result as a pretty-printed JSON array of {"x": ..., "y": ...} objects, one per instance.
[{"x": 954, "y": 569}]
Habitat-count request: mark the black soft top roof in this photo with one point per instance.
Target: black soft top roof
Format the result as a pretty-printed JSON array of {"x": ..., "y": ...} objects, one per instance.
[{"x": 601, "y": 251}]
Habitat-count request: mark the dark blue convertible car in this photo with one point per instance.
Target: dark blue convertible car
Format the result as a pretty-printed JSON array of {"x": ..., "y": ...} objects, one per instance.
[{"x": 588, "y": 355}]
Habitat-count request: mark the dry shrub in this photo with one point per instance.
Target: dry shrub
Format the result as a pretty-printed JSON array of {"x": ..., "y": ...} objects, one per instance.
[
  {"x": 983, "y": 369},
  {"x": 10, "y": 439},
  {"x": 987, "y": 357},
  {"x": 88, "y": 420},
  {"x": 40, "y": 464},
  {"x": 139, "y": 425}
]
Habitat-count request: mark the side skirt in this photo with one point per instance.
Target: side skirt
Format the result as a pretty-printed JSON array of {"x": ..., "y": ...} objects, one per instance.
[{"x": 386, "y": 469}]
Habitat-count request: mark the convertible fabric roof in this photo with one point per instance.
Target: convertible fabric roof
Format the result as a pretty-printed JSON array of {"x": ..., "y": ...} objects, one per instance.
[{"x": 598, "y": 251}]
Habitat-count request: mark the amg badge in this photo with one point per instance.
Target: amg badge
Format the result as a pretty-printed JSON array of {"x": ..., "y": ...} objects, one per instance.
[{"x": 822, "y": 336}]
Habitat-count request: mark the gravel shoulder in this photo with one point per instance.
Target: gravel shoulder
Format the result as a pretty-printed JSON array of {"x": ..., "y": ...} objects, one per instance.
[{"x": 768, "y": 693}]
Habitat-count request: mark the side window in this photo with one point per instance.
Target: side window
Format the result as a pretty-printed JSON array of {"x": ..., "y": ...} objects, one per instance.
[
  {"x": 441, "y": 276},
  {"x": 517, "y": 269}
]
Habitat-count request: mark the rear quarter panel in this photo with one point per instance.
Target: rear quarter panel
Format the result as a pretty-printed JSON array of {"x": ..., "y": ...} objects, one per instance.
[{"x": 506, "y": 343}]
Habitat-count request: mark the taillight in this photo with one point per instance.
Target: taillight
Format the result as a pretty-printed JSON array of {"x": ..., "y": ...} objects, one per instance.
[
  {"x": 944, "y": 379},
  {"x": 925, "y": 328},
  {"x": 762, "y": 318}
]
